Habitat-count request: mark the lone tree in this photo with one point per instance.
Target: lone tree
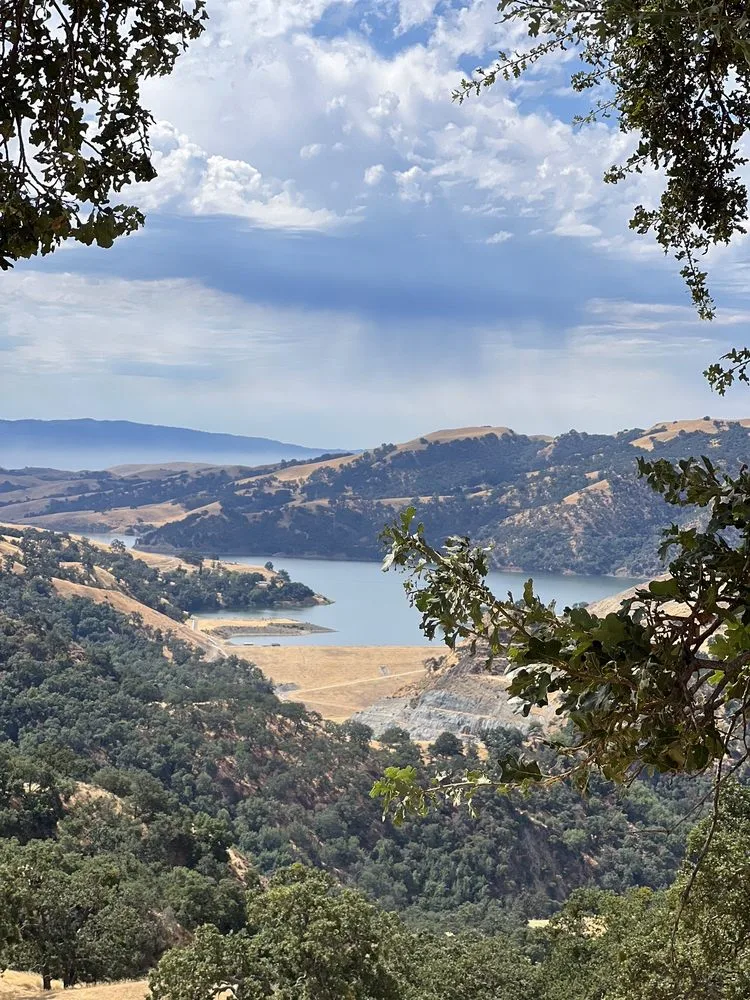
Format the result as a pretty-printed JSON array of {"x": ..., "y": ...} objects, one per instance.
[
  {"x": 305, "y": 939},
  {"x": 73, "y": 130}
]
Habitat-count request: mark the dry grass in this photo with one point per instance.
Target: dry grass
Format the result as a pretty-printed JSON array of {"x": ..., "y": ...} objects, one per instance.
[
  {"x": 601, "y": 486},
  {"x": 667, "y": 431},
  {"x": 118, "y": 519},
  {"x": 403, "y": 501},
  {"x": 337, "y": 681},
  {"x": 128, "y": 606},
  {"x": 161, "y": 470},
  {"x": 452, "y": 434},
  {"x": 29, "y": 489},
  {"x": 212, "y": 625},
  {"x": 301, "y": 472},
  {"x": 167, "y": 563},
  {"x": 27, "y": 986}
]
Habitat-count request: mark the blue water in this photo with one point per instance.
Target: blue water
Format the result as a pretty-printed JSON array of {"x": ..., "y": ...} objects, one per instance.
[{"x": 370, "y": 607}]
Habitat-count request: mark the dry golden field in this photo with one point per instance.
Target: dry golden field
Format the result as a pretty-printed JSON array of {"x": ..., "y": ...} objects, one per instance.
[
  {"x": 670, "y": 429},
  {"x": 337, "y": 681},
  {"x": 27, "y": 986}
]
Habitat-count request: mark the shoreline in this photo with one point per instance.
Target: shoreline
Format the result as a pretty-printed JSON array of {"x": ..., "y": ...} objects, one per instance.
[
  {"x": 227, "y": 558},
  {"x": 257, "y": 627},
  {"x": 311, "y": 557}
]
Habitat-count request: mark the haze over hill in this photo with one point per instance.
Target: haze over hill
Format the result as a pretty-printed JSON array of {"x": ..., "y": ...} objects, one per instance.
[
  {"x": 572, "y": 503},
  {"x": 100, "y": 444}
]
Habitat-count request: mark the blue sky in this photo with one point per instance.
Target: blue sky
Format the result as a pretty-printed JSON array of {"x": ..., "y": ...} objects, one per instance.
[{"x": 336, "y": 254}]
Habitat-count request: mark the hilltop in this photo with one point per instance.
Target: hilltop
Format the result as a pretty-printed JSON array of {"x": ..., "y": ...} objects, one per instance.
[
  {"x": 570, "y": 503},
  {"x": 96, "y": 444}
]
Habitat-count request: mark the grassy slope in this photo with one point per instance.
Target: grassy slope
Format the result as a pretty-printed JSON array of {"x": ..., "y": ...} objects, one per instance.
[{"x": 568, "y": 504}]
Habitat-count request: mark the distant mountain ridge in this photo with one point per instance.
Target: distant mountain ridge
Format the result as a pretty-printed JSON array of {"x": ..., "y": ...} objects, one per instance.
[
  {"x": 568, "y": 504},
  {"x": 97, "y": 444}
]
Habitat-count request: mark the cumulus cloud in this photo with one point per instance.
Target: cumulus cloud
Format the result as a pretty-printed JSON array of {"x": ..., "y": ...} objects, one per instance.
[
  {"x": 190, "y": 180},
  {"x": 311, "y": 150},
  {"x": 374, "y": 174},
  {"x": 387, "y": 104},
  {"x": 265, "y": 65},
  {"x": 411, "y": 184},
  {"x": 414, "y": 12}
]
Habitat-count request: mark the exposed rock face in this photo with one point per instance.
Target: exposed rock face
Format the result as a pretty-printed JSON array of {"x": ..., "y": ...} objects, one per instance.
[
  {"x": 461, "y": 695},
  {"x": 465, "y": 707}
]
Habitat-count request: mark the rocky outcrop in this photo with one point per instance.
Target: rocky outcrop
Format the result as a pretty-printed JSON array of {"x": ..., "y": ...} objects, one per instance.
[
  {"x": 460, "y": 694},
  {"x": 466, "y": 707}
]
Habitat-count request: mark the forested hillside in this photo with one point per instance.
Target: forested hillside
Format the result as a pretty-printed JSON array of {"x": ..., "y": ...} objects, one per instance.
[
  {"x": 569, "y": 504},
  {"x": 146, "y": 785}
]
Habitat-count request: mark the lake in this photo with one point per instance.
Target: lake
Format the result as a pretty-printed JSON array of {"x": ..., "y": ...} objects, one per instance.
[{"x": 370, "y": 607}]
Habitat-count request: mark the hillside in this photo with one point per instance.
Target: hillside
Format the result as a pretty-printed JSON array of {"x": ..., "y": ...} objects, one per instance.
[
  {"x": 163, "y": 591},
  {"x": 96, "y": 444},
  {"x": 569, "y": 504},
  {"x": 134, "y": 766}
]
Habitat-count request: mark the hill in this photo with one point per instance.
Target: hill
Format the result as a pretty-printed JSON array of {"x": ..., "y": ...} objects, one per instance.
[
  {"x": 570, "y": 504},
  {"x": 97, "y": 444},
  {"x": 162, "y": 591},
  {"x": 161, "y": 783}
]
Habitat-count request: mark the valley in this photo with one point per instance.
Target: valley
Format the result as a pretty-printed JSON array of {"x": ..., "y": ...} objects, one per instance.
[
  {"x": 198, "y": 721},
  {"x": 398, "y": 649},
  {"x": 106, "y": 697}
]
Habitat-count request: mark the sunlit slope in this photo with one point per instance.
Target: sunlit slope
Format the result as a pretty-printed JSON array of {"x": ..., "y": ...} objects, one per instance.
[
  {"x": 98, "y": 579},
  {"x": 570, "y": 504},
  {"x": 27, "y": 986}
]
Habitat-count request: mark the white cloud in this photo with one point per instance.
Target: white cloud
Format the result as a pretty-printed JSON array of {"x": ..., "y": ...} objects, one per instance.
[
  {"x": 412, "y": 13},
  {"x": 569, "y": 225},
  {"x": 502, "y": 236},
  {"x": 263, "y": 65},
  {"x": 193, "y": 182},
  {"x": 386, "y": 106},
  {"x": 374, "y": 174},
  {"x": 411, "y": 184}
]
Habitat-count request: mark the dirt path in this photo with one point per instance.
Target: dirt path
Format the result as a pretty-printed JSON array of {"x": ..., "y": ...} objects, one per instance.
[{"x": 299, "y": 692}]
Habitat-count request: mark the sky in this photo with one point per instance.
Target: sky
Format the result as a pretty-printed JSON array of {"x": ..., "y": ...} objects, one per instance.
[{"x": 336, "y": 254}]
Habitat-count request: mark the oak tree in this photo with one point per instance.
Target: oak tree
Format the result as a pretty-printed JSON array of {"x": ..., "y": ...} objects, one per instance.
[{"x": 73, "y": 126}]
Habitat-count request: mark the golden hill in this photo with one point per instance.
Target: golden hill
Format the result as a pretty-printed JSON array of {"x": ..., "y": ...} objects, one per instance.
[
  {"x": 104, "y": 588},
  {"x": 672, "y": 429},
  {"x": 570, "y": 504}
]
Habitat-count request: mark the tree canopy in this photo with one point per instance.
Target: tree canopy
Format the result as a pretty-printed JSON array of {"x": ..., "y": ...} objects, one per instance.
[
  {"x": 73, "y": 128},
  {"x": 305, "y": 939}
]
